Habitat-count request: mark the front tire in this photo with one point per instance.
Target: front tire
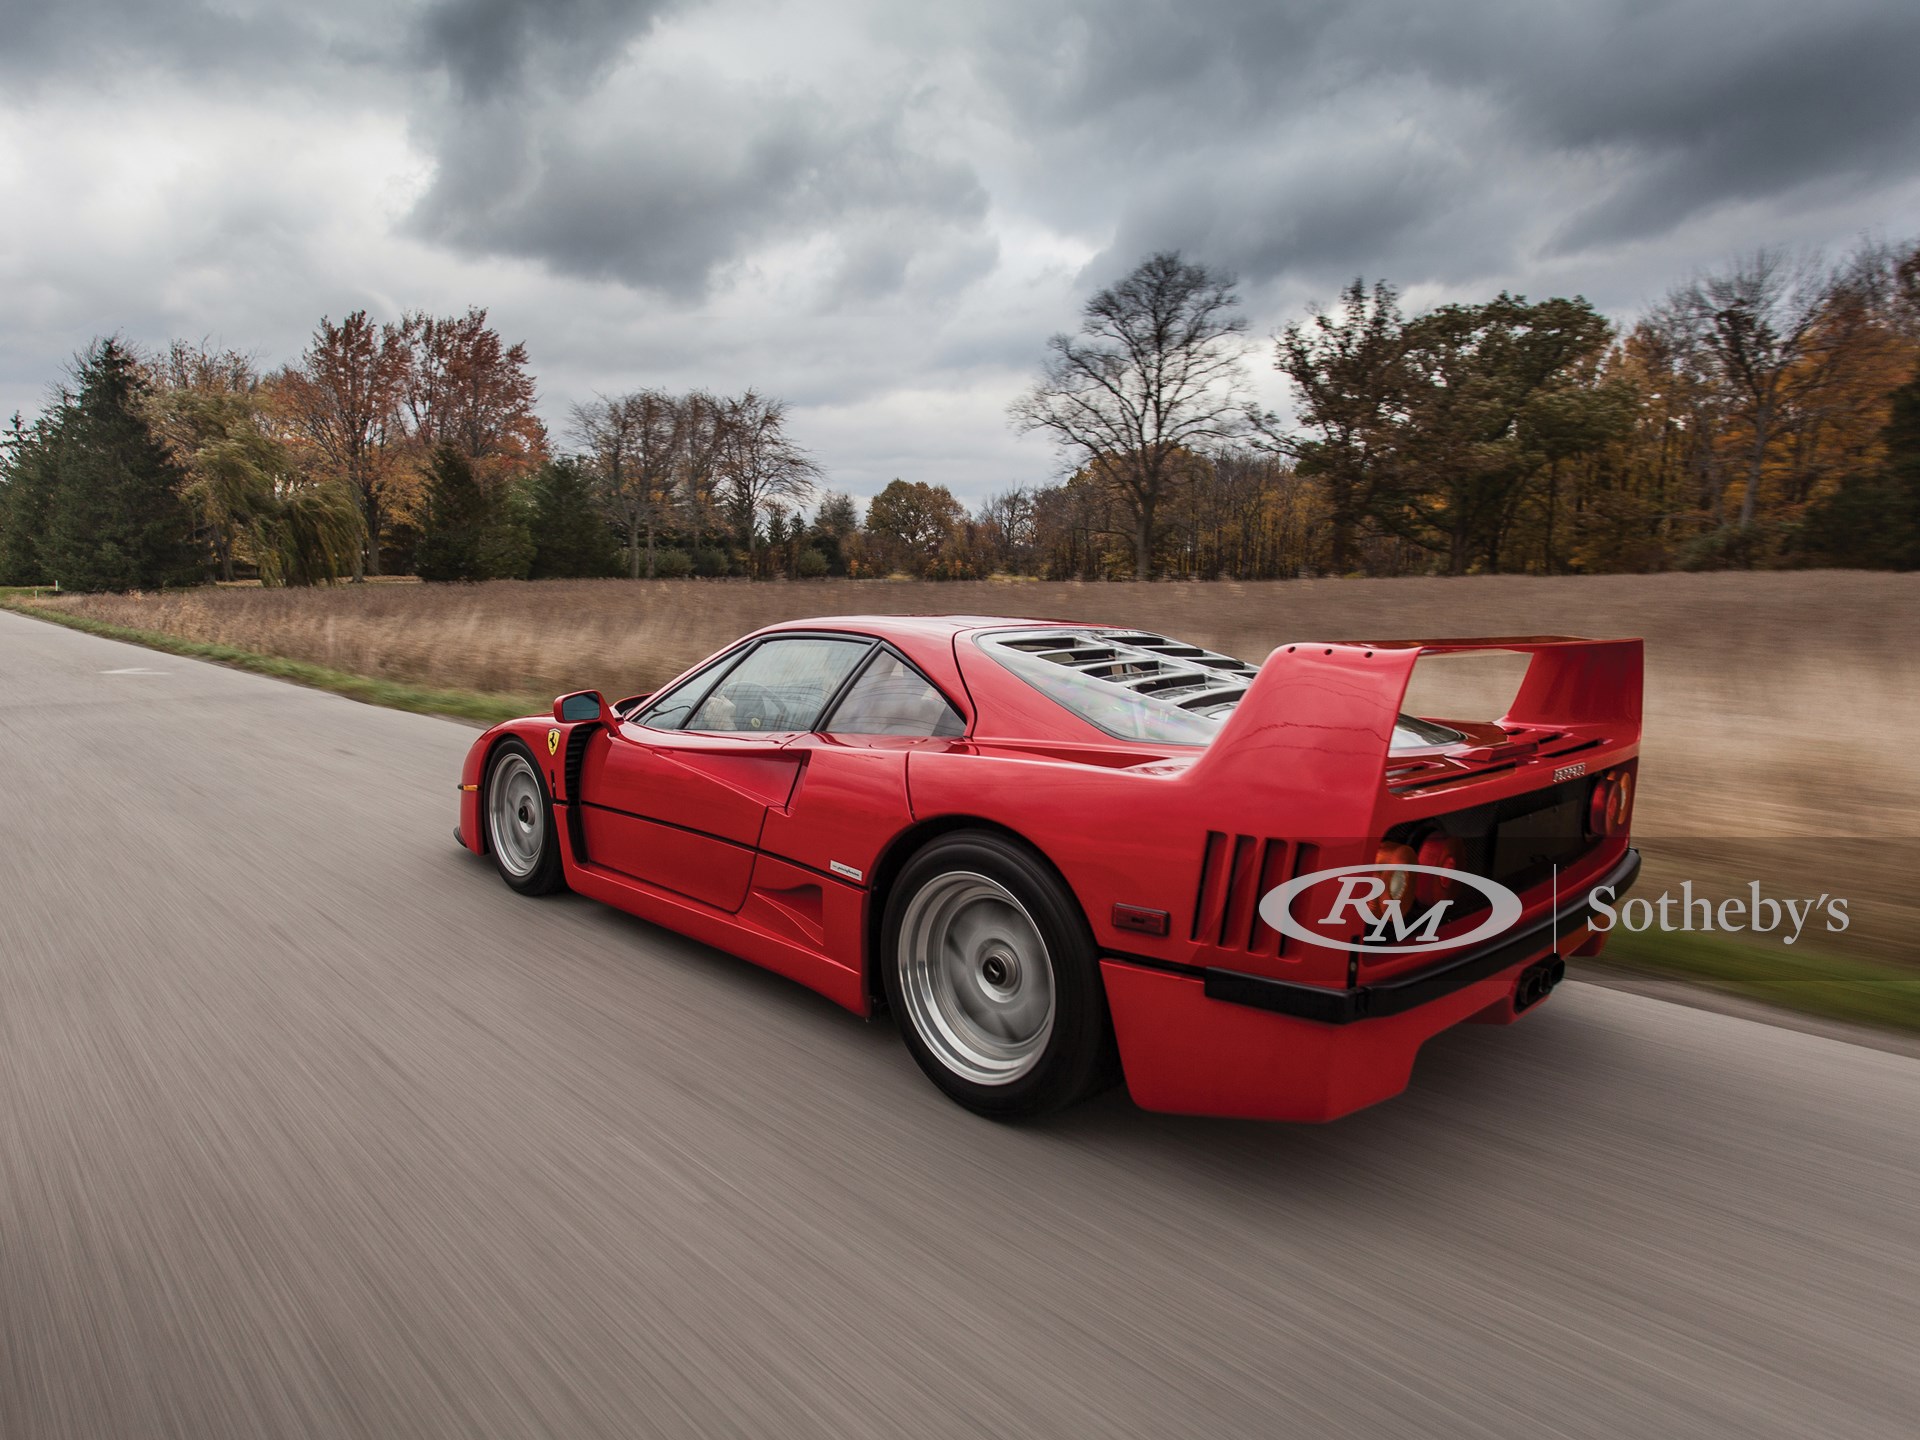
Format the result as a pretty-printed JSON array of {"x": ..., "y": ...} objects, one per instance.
[
  {"x": 518, "y": 813},
  {"x": 991, "y": 971}
]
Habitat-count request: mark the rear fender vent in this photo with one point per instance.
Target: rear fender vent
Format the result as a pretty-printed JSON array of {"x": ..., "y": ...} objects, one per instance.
[{"x": 1235, "y": 871}]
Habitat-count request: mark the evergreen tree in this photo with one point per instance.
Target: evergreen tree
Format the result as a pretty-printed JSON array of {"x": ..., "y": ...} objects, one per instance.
[
  {"x": 571, "y": 539},
  {"x": 27, "y": 476},
  {"x": 1873, "y": 521},
  {"x": 454, "y": 521},
  {"x": 116, "y": 520},
  {"x": 467, "y": 533},
  {"x": 506, "y": 533}
]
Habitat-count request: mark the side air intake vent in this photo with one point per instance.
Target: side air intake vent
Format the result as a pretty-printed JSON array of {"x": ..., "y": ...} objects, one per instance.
[{"x": 577, "y": 739}]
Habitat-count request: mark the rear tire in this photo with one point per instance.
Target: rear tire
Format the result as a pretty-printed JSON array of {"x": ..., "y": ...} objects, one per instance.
[
  {"x": 517, "y": 811},
  {"x": 992, "y": 974}
]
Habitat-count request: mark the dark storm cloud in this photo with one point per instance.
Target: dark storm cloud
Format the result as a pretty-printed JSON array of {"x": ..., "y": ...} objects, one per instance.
[
  {"x": 662, "y": 180},
  {"x": 1282, "y": 139},
  {"x": 666, "y": 205},
  {"x": 54, "y": 42},
  {"x": 495, "y": 47},
  {"x": 1684, "y": 106}
]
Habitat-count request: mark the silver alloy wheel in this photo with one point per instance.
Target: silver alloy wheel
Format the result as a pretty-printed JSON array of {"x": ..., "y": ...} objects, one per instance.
[
  {"x": 976, "y": 977},
  {"x": 516, "y": 815}
]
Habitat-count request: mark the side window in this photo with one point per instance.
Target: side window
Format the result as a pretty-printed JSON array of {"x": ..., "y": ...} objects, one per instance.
[
  {"x": 670, "y": 711},
  {"x": 782, "y": 685},
  {"x": 891, "y": 698}
]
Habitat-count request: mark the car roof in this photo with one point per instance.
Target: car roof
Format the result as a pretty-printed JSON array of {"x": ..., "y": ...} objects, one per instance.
[
  {"x": 913, "y": 624},
  {"x": 914, "y": 628}
]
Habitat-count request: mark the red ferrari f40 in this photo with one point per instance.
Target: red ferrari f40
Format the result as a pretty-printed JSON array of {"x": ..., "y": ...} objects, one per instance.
[{"x": 1060, "y": 852}]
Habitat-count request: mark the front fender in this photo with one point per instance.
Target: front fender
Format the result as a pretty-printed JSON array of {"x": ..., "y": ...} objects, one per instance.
[{"x": 540, "y": 735}]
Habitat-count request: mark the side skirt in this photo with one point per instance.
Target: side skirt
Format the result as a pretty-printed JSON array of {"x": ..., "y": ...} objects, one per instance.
[{"x": 741, "y": 934}]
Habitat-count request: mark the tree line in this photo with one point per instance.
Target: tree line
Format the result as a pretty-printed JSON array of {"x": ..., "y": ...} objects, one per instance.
[
  {"x": 1766, "y": 413},
  {"x": 411, "y": 447}
]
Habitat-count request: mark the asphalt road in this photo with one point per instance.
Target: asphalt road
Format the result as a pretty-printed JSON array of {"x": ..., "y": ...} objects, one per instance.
[{"x": 308, "y": 1126}]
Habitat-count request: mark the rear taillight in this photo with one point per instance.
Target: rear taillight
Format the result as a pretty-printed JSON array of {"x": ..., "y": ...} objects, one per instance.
[
  {"x": 1612, "y": 804},
  {"x": 1391, "y": 852},
  {"x": 1441, "y": 851}
]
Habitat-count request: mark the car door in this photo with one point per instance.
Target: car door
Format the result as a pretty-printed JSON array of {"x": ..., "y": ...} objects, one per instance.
[
  {"x": 851, "y": 795},
  {"x": 678, "y": 796}
]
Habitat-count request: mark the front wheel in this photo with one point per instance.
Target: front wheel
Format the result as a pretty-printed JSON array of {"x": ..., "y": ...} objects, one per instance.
[
  {"x": 519, "y": 817},
  {"x": 991, "y": 971}
]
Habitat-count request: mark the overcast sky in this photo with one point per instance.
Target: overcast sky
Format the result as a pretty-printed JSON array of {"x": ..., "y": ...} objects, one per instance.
[{"x": 880, "y": 210}]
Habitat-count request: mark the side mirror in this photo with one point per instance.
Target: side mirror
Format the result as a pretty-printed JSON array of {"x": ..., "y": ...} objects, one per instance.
[{"x": 583, "y": 705}]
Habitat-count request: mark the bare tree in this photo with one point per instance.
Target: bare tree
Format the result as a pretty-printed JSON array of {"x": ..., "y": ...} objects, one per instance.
[
  {"x": 1757, "y": 324},
  {"x": 1154, "y": 374},
  {"x": 1008, "y": 520},
  {"x": 757, "y": 464},
  {"x": 699, "y": 433},
  {"x": 630, "y": 445}
]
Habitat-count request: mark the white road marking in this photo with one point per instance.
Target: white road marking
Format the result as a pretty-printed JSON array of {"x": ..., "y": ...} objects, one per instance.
[{"x": 133, "y": 670}]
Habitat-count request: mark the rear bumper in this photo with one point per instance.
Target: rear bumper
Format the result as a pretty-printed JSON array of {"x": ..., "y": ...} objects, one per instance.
[
  {"x": 1219, "y": 1042},
  {"x": 1391, "y": 997}
]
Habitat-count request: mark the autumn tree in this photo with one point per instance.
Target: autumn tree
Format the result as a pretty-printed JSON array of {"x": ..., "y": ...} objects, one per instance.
[
  {"x": 344, "y": 400},
  {"x": 1155, "y": 371},
  {"x": 1459, "y": 456},
  {"x": 466, "y": 387},
  {"x": 206, "y": 406},
  {"x": 1753, "y": 325},
  {"x": 909, "y": 522},
  {"x": 1348, "y": 376}
]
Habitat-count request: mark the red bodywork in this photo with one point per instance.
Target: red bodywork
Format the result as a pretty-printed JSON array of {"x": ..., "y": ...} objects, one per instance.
[{"x": 780, "y": 847}]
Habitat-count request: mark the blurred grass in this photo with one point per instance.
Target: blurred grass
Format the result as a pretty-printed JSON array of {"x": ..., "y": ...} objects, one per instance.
[
  {"x": 421, "y": 700},
  {"x": 1777, "y": 704},
  {"x": 1814, "y": 982}
]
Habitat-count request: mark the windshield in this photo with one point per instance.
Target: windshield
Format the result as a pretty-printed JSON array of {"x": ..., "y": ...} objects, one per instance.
[{"x": 1139, "y": 686}]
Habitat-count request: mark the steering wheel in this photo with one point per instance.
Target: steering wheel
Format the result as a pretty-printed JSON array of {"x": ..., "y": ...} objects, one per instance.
[{"x": 755, "y": 707}]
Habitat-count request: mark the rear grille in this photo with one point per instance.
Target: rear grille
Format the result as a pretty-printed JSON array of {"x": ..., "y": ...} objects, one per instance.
[
  {"x": 1235, "y": 871},
  {"x": 1556, "y": 836}
]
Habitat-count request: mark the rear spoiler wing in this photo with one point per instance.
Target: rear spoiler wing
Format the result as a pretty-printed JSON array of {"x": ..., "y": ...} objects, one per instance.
[{"x": 1319, "y": 716}]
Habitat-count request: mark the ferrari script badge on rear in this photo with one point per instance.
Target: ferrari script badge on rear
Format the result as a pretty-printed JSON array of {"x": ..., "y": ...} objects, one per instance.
[{"x": 553, "y": 741}]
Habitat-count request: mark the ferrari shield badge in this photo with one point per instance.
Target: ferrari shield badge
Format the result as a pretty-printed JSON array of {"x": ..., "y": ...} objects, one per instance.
[{"x": 553, "y": 741}]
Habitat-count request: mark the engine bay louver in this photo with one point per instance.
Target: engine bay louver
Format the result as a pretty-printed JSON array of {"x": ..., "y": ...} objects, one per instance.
[{"x": 1235, "y": 871}]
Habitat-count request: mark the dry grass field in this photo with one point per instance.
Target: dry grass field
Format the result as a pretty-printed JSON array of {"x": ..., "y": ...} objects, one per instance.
[{"x": 1780, "y": 707}]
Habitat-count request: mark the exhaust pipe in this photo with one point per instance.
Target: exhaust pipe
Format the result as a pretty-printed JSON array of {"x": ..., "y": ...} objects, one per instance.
[{"x": 1537, "y": 981}]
